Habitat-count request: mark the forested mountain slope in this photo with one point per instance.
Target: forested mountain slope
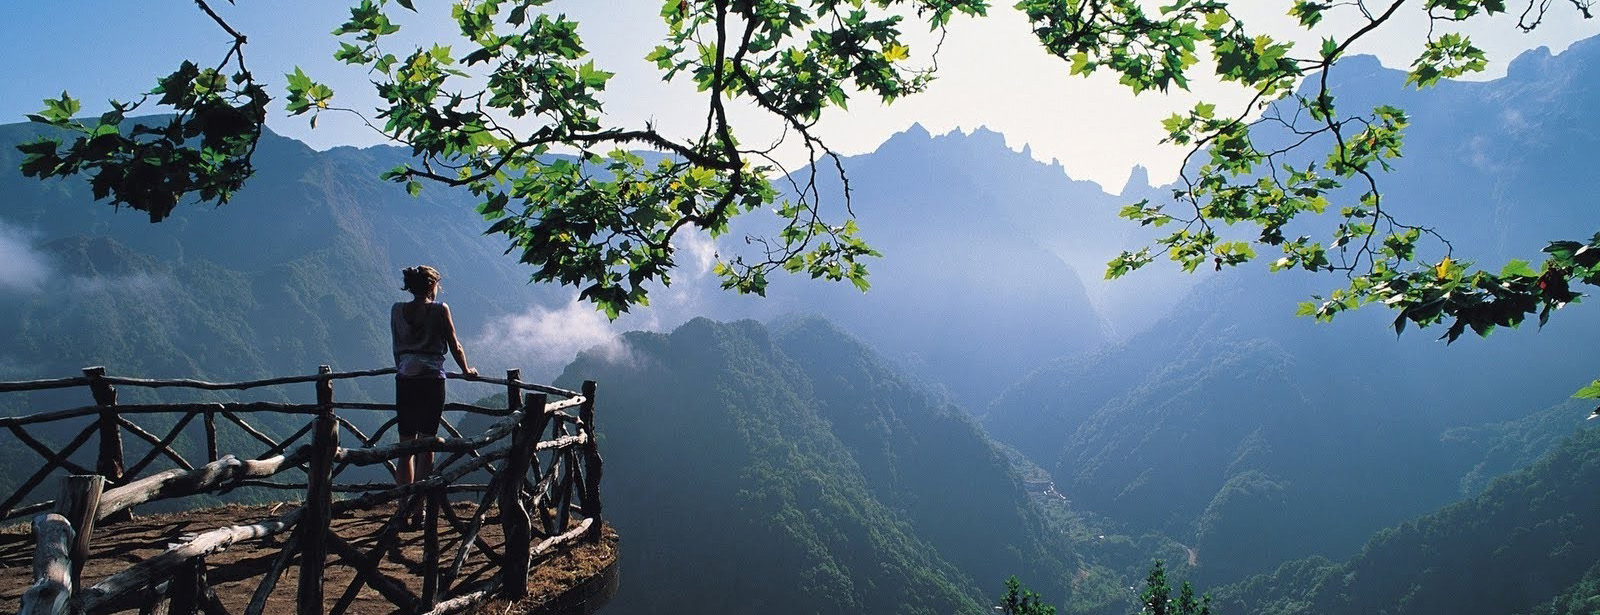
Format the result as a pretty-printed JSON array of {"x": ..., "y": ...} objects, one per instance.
[
  {"x": 1230, "y": 442},
  {"x": 297, "y": 271},
  {"x": 1257, "y": 436},
  {"x": 1526, "y": 544},
  {"x": 790, "y": 471}
]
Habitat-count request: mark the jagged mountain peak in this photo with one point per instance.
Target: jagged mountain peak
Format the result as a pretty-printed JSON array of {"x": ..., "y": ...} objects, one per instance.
[
  {"x": 913, "y": 137},
  {"x": 1529, "y": 63},
  {"x": 980, "y": 143},
  {"x": 1138, "y": 181}
]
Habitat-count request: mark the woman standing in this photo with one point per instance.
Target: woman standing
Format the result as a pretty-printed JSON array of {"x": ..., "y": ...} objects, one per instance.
[{"x": 423, "y": 333}]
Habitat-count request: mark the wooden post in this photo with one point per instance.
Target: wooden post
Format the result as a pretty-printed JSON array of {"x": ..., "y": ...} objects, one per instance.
[
  {"x": 79, "y": 503},
  {"x": 563, "y": 499},
  {"x": 513, "y": 404},
  {"x": 592, "y": 463},
  {"x": 187, "y": 586},
  {"x": 159, "y": 601},
  {"x": 51, "y": 587},
  {"x": 513, "y": 392},
  {"x": 319, "y": 498},
  {"x": 109, "y": 463},
  {"x": 211, "y": 436},
  {"x": 555, "y": 524},
  {"x": 430, "y": 549},
  {"x": 514, "y": 519}
]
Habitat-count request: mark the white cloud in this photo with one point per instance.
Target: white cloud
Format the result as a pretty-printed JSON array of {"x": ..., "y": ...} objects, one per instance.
[
  {"x": 700, "y": 247},
  {"x": 22, "y": 269},
  {"x": 547, "y": 336}
]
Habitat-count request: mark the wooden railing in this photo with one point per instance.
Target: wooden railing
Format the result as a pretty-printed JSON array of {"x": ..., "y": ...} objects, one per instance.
[{"x": 544, "y": 487}]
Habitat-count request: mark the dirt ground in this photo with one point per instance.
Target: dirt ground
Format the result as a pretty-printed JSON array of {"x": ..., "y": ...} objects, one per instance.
[{"x": 236, "y": 572}]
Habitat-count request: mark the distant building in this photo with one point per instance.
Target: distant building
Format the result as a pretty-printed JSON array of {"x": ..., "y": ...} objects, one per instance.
[{"x": 1044, "y": 487}]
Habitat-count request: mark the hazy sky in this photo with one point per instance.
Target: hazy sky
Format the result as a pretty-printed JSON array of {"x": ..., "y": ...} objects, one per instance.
[{"x": 992, "y": 72}]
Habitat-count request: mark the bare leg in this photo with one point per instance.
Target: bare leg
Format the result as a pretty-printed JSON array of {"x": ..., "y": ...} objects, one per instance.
[
  {"x": 403, "y": 473},
  {"x": 424, "y": 465},
  {"x": 423, "y": 468},
  {"x": 413, "y": 468}
]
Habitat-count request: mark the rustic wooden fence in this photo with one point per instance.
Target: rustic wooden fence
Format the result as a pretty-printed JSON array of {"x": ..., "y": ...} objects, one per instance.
[{"x": 540, "y": 455}]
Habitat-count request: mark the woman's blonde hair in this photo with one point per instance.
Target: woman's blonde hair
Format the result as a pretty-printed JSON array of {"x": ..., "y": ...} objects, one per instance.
[{"x": 419, "y": 279}]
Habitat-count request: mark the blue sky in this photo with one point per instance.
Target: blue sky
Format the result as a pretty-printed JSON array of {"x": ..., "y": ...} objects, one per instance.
[{"x": 992, "y": 72}]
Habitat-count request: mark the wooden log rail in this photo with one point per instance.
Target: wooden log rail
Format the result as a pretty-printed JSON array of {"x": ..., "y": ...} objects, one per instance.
[{"x": 540, "y": 455}]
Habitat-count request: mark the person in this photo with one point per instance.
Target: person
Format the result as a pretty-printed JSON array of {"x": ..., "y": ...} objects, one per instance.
[{"x": 423, "y": 332}]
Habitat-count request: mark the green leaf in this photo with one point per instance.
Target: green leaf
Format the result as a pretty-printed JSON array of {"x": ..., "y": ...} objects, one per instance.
[
  {"x": 60, "y": 110},
  {"x": 1589, "y": 392},
  {"x": 347, "y": 53},
  {"x": 298, "y": 81},
  {"x": 1518, "y": 267},
  {"x": 1080, "y": 64},
  {"x": 1562, "y": 250},
  {"x": 1309, "y": 13}
]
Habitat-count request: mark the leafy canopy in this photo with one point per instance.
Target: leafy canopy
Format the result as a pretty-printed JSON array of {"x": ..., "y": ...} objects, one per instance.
[
  {"x": 203, "y": 148},
  {"x": 1156, "y": 598},
  {"x": 491, "y": 117},
  {"x": 1019, "y": 600},
  {"x": 1238, "y": 196}
]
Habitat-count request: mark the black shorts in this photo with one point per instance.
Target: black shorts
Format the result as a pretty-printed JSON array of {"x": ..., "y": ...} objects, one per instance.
[{"x": 419, "y": 402}]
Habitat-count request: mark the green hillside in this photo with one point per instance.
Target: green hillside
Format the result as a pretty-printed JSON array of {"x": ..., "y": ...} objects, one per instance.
[
  {"x": 1526, "y": 544},
  {"x": 792, "y": 472},
  {"x": 1230, "y": 442}
]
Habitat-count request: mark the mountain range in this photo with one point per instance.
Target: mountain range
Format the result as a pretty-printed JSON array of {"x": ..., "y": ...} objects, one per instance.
[{"x": 989, "y": 408}]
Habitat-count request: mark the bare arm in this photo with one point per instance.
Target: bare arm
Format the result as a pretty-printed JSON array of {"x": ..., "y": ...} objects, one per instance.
[{"x": 456, "y": 351}]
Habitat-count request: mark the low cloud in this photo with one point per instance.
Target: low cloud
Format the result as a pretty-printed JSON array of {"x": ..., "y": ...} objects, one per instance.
[
  {"x": 22, "y": 269},
  {"x": 702, "y": 251},
  {"x": 547, "y": 337},
  {"x": 25, "y": 270}
]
